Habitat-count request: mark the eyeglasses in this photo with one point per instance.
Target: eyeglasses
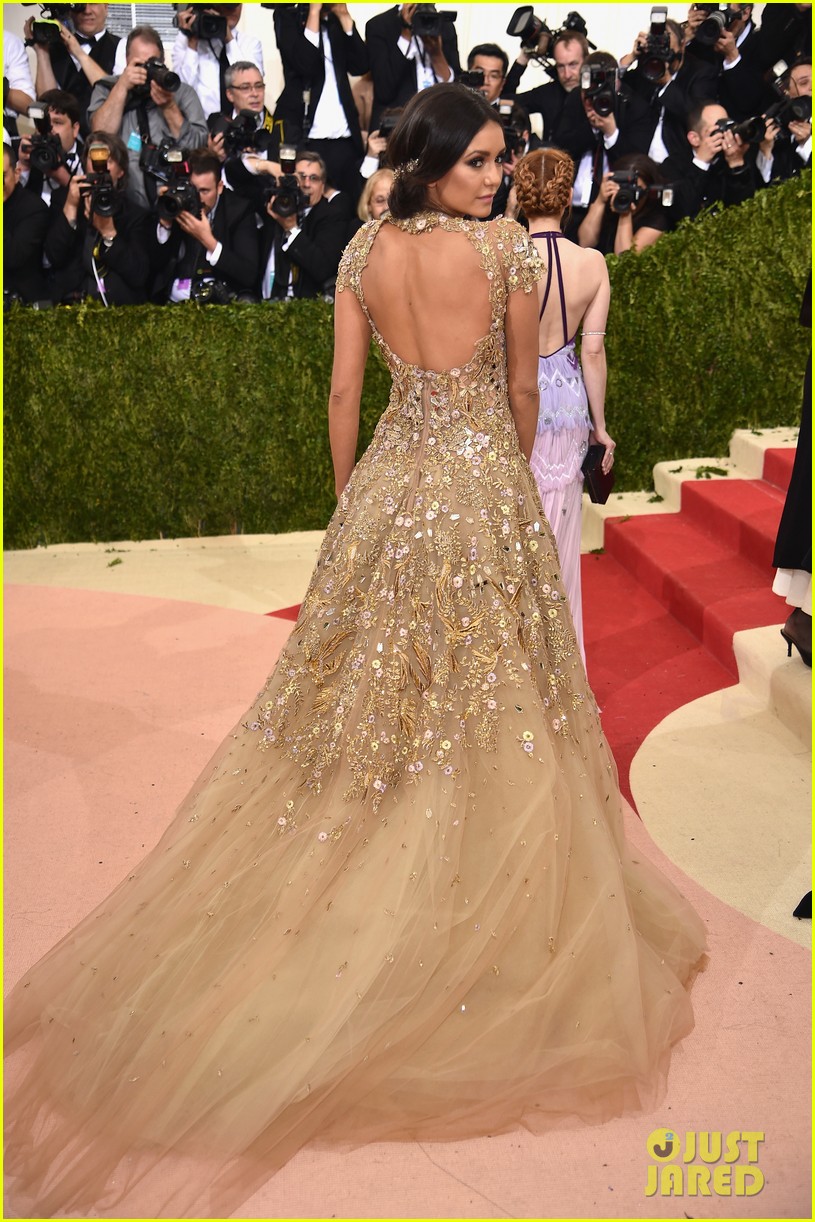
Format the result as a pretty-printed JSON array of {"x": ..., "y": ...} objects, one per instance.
[
  {"x": 254, "y": 87},
  {"x": 310, "y": 177}
]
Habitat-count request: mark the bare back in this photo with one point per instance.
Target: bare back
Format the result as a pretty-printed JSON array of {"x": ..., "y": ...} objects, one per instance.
[
  {"x": 428, "y": 299},
  {"x": 583, "y": 277}
]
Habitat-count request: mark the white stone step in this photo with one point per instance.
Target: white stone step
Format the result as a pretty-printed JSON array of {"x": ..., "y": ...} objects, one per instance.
[{"x": 781, "y": 684}]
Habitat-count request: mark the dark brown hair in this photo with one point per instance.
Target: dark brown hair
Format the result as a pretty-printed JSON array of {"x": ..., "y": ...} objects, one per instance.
[{"x": 435, "y": 128}]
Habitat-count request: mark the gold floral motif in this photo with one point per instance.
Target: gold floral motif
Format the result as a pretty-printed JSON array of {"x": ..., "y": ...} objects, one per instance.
[{"x": 412, "y": 647}]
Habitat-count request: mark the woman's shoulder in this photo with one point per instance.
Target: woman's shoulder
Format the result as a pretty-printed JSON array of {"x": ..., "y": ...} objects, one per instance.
[
  {"x": 355, "y": 256},
  {"x": 506, "y": 228},
  {"x": 520, "y": 260}
]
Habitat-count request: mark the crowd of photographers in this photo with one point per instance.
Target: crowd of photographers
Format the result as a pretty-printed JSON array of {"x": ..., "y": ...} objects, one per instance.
[{"x": 143, "y": 181}]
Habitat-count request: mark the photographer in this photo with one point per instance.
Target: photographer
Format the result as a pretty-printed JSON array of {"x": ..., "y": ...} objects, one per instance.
[
  {"x": 719, "y": 172},
  {"x": 142, "y": 112},
  {"x": 25, "y": 221},
  {"x": 83, "y": 53},
  {"x": 493, "y": 61},
  {"x": 207, "y": 43},
  {"x": 48, "y": 159},
  {"x": 730, "y": 42},
  {"x": 616, "y": 124},
  {"x": 247, "y": 127},
  {"x": 316, "y": 106},
  {"x": 557, "y": 101},
  {"x": 658, "y": 74},
  {"x": 787, "y": 145},
  {"x": 97, "y": 245},
  {"x": 304, "y": 235},
  {"x": 205, "y": 241},
  {"x": 405, "y": 57},
  {"x": 626, "y": 215}
]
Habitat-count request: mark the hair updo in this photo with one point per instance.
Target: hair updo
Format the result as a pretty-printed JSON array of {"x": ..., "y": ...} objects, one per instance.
[
  {"x": 434, "y": 130},
  {"x": 543, "y": 180}
]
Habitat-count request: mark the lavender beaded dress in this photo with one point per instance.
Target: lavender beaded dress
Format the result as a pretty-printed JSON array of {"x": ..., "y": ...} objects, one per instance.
[{"x": 561, "y": 441}]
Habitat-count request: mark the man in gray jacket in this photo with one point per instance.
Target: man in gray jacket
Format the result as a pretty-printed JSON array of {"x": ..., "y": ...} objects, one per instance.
[{"x": 137, "y": 108}]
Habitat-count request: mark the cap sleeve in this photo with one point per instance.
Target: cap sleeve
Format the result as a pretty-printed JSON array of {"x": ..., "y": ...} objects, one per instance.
[
  {"x": 354, "y": 258},
  {"x": 521, "y": 263}
]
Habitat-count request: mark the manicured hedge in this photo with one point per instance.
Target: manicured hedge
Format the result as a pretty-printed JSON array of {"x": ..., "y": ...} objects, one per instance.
[{"x": 145, "y": 421}]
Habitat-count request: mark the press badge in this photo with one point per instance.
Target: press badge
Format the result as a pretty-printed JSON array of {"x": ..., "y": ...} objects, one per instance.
[{"x": 134, "y": 142}]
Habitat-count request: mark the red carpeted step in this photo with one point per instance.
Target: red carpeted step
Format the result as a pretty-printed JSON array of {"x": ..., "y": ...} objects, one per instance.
[
  {"x": 708, "y": 588},
  {"x": 778, "y": 467},
  {"x": 642, "y": 663},
  {"x": 742, "y": 514}
]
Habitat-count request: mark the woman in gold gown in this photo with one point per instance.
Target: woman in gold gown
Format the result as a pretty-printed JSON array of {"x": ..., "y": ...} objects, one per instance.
[{"x": 399, "y": 903}]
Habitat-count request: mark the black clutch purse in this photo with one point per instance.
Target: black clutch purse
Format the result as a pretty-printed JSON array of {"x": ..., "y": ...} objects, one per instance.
[{"x": 596, "y": 482}]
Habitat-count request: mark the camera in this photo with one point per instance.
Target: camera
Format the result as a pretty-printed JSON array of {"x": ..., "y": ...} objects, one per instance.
[
  {"x": 180, "y": 196},
  {"x": 207, "y": 24},
  {"x": 656, "y": 52},
  {"x": 513, "y": 132},
  {"x": 161, "y": 161},
  {"x": 531, "y": 30},
  {"x": 388, "y": 121},
  {"x": 46, "y": 32},
  {"x": 537, "y": 40},
  {"x": 158, "y": 71},
  {"x": 427, "y": 20},
  {"x": 211, "y": 292},
  {"x": 751, "y": 131},
  {"x": 46, "y": 153},
  {"x": 239, "y": 133},
  {"x": 98, "y": 185},
  {"x": 721, "y": 17},
  {"x": 791, "y": 110},
  {"x": 599, "y": 86},
  {"x": 575, "y": 24},
  {"x": 286, "y": 193},
  {"x": 631, "y": 192},
  {"x": 473, "y": 79}
]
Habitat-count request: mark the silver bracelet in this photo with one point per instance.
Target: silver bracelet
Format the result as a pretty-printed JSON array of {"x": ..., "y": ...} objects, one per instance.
[{"x": 592, "y": 332}]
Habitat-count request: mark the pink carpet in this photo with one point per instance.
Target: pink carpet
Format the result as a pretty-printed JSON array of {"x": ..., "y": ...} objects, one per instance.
[{"x": 113, "y": 705}]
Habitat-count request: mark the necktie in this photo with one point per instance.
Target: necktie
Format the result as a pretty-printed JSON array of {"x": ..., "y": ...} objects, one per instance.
[{"x": 224, "y": 64}]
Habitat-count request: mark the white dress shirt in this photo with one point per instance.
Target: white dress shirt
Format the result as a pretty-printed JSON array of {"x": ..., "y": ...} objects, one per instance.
[
  {"x": 329, "y": 122},
  {"x": 412, "y": 47}
]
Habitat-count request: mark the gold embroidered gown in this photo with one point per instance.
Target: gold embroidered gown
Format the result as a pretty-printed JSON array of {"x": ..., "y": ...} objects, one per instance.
[{"x": 399, "y": 902}]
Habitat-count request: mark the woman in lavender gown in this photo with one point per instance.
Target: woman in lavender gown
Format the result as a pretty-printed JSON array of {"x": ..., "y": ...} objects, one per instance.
[{"x": 575, "y": 289}]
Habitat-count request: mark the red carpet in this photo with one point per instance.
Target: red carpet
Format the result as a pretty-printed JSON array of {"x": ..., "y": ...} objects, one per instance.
[{"x": 662, "y": 602}]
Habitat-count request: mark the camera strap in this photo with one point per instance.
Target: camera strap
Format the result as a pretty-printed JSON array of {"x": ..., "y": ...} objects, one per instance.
[
  {"x": 150, "y": 185},
  {"x": 99, "y": 272}
]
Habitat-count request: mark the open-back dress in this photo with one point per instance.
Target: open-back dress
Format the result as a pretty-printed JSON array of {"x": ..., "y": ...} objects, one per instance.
[{"x": 398, "y": 903}]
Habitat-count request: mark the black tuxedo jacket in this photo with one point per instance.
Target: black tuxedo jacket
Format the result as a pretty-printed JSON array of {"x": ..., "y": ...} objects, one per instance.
[
  {"x": 25, "y": 223},
  {"x": 304, "y": 69},
  {"x": 314, "y": 255},
  {"x": 695, "y": 189},
  {"x": 234, "y": 226},
  {"x": 73, "y": 79},
  {"x": 394, "y": 77},
  {"x": 126, "y": 264},
  {"x": 694, "y": 82}
]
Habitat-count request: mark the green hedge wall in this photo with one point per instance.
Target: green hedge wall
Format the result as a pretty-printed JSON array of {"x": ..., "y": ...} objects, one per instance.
[{"x": 148, "y": 422}]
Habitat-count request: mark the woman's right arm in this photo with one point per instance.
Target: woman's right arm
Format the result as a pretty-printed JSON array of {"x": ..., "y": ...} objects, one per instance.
[
  {"x": 522, "y": 365},
  {"x": 352, "y": 339},
  {"x": 593, "y": 361}
]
